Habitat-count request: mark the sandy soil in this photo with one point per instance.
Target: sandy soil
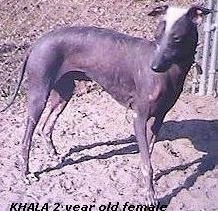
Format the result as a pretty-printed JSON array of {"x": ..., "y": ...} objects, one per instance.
[{"x": 100, "y": 159}]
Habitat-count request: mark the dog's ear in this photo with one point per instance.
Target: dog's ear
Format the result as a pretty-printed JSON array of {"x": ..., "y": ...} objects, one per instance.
[
  {"x": 196, "y": 13},
  {"x": 161, "y": 10}
]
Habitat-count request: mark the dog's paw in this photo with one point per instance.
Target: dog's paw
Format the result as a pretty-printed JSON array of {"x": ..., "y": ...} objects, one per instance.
[{"x": 151, "y": 199}]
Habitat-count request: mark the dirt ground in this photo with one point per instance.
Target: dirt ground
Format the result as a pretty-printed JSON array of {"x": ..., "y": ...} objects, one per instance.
[
  {"x": 100, "y": 159},
  {"x": 99, "y": 155}
]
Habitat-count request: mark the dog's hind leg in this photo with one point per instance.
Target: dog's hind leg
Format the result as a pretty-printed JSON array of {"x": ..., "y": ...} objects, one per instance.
[
  {"x": 60, "y": 96},
  {"x": 46, "y": 131},
  {"x": 38, "y": 95}
]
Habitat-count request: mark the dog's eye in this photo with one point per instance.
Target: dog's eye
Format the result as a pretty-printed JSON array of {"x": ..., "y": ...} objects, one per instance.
[{"x": 176, "y": 39}]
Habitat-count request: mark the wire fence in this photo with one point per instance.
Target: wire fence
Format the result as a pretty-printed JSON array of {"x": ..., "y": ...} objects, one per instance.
[{"x": 208, "y": 83}]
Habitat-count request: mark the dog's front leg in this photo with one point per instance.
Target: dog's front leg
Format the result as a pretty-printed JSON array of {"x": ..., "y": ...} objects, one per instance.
[
  {"x": 153, "y": 127},
  {"x": 140, "y": 125}
]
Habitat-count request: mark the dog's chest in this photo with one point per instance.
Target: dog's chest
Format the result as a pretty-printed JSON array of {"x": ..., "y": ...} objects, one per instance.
[{"x": 164, "y": 93}]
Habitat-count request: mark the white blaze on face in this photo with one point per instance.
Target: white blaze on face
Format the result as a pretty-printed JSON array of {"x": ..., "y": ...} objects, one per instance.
[{"x": 172, "y": 15}]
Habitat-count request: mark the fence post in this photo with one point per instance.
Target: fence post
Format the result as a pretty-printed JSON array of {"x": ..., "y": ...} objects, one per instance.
[
  {"x": 212, "y": 69},
  {"x": 206, "y": 47}
]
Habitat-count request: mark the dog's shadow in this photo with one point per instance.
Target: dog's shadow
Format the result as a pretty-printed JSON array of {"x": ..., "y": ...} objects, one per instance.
[
  {"x": 132, "y": 148},
  {"x": 202, "y": 133}
]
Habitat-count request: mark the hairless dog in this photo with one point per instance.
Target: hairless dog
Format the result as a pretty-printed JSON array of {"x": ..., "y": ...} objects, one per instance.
[{"x": 147, "y": 76}]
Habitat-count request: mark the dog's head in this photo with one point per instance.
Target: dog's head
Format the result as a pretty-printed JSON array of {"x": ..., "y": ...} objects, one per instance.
[{"x": 176, "y": 35}]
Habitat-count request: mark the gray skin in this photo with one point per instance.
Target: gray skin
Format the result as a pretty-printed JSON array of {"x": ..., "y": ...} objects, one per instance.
[{"x": 133, "y": 70}]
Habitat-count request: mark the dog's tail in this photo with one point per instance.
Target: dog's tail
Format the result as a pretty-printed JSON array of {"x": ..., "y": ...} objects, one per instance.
[{"x": 18, "y": 84}]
